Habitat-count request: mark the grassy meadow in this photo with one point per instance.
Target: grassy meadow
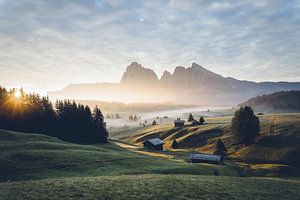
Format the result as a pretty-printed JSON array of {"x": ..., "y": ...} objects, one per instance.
[
  {"x": 35, "y": 166},
  {"x": 33, "y": 156},
  {"x": 152, "y": 187},
  {"x": 276, "y": 149}
]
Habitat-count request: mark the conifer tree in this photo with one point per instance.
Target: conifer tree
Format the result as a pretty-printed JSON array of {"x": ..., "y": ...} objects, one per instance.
[
  {"x": 201, "y": 120},
  {"x": 175, "y": 144},
  {"x": 245, "y": 125},
  {"x": 191, "y": 117},
  {"x": 220, "y": 148}
]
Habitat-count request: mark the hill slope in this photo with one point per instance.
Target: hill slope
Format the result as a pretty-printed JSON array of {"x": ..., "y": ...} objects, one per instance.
[
  {"x": 278, "y": 101},
  {"x": 32, "y": 156},
  {"x": 53, "y": 169},
  {"x": 278, "y": 143}
]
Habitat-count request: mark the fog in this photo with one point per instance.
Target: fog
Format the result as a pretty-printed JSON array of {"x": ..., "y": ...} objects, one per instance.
[{"x": 166, "y": 116}]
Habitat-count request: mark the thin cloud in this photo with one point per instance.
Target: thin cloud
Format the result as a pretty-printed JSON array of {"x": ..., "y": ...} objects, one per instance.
[{"x": 50, "y": 44}]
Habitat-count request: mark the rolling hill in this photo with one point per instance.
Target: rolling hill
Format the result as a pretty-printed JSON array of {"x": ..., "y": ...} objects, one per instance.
[
  {"x": 26, "y": 156},
  {"x": 192, "y": 85},
  {"x": 277, "y": 146},
  {"x": 34, "y": 166},
  {"x": 278, "y": 101}
]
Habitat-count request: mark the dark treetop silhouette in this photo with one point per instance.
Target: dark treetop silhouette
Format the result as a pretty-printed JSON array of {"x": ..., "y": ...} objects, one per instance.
[{"x": 68, "y": 120}]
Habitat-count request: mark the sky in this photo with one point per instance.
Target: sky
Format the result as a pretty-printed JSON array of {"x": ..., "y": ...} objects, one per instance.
[{"x": 48, "y": 44}]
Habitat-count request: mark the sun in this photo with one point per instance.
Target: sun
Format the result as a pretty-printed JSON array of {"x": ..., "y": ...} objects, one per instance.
[{"x": 17, "y": 94}]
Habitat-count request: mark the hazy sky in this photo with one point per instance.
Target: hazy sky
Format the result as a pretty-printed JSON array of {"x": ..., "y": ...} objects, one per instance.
[{"x": 47, "y": 44}]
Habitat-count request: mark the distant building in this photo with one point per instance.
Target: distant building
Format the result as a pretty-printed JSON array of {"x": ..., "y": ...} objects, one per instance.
[
  {"x": 206, "y": 158},
  {"x": 178, "y": 122},
  {"x": 154, "y": 144}
]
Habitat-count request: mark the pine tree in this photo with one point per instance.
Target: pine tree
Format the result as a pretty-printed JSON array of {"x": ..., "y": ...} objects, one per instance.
[
  {"x": 191, "y": 117},
  {"x": 100, "y": 125},
  {"x": 220, "y": 148},
  {"x": 201, "y": 120},
  {"x": 69, "y": 121},
  {"x": 175, "y": 144},
  {"x": 245, "y": 125}
]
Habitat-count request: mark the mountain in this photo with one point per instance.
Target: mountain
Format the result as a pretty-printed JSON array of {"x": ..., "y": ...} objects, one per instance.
[
  {"x": 284, "y": 100},
  {"x": 136, "y": 74},
  {"x": 192, "y": 85}
]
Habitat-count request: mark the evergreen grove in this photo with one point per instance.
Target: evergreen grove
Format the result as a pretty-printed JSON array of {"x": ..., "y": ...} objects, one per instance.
[
  {"x": 245, "y": 125},
  {"x": 67, "y": 120}
]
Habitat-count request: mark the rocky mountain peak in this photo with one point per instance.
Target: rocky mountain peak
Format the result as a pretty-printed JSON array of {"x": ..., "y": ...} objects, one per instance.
[
  {"x": 197, "y": 67},
  {"x": 179, "y": 69},
  {"x": 166, "y": 76},
  {"x": 135, "y": 73}
]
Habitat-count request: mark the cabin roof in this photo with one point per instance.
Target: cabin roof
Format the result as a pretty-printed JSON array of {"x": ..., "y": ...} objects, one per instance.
[
  {"x": 179, "y": 121},
  {"x": 208, "y": 157},
  {"x": 155, "y": 141}
]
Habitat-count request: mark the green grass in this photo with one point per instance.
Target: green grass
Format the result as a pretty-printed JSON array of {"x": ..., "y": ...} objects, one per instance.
[
  {"x": 277, "y": 143},
  {"x": 33, "y": 156},
  {"x": 34, "y": 166},
  {"x": 152, "y": 187}
]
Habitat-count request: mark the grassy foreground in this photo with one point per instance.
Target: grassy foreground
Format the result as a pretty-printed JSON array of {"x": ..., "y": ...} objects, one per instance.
[
  {"x": 34, "y": 156},
  {"x": 35, "y": 166},
  {"x": 152, "y": 187}
]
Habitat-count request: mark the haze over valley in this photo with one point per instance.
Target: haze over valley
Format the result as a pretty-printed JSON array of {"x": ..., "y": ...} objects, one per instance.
[{"x": 193, "y": 85}]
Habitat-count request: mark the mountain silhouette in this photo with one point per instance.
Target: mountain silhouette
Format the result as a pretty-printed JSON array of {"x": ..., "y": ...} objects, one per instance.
[{"x": 192, "y": 85}]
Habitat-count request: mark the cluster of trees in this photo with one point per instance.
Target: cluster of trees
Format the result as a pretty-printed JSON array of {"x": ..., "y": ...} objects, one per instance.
[
  {"x": 284, "y": 100},
  {"x": 245, "y": 125},
  {"x": 191, "y": 119},
  {"x": 112, "y": 116},
  {"x": 133, "y": 118},
  {"x": 66, "y": 120}
]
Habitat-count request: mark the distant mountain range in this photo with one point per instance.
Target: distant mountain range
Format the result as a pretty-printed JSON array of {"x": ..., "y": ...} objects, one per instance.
[{"x": 192, "y": 85}]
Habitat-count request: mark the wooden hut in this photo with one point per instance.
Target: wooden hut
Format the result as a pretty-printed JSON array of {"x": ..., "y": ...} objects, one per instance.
[
  {"x": 154, "y": 144},
  {"x": 206, "y": 158},
  {"x": 178, "y": 122}
]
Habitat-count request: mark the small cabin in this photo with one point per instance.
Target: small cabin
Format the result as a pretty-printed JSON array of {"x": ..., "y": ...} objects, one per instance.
[
  {"x": 206, "y": 158},
  {"x": 178, "y": 122},
  {"x": 154, "y": 144}
]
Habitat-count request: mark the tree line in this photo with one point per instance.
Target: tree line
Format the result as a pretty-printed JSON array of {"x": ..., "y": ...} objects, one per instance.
[
  {"x": 284, "y": 100},
  {"x": 66, "y": 120}
]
